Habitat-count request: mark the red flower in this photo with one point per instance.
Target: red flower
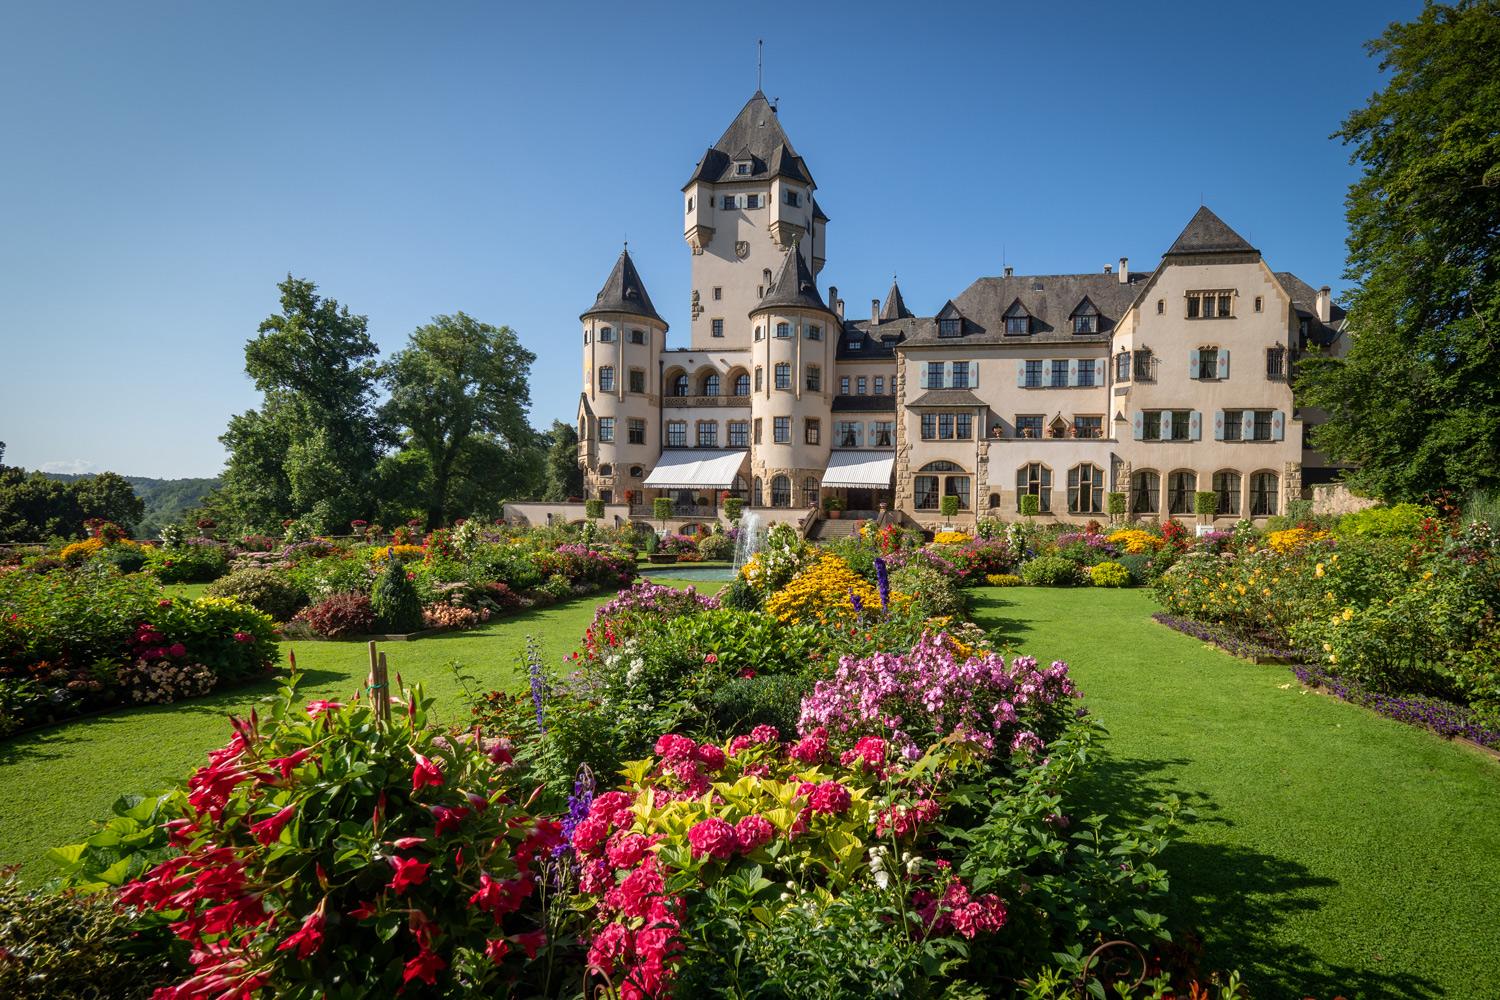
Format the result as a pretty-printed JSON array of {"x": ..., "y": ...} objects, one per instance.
[
  {"x": 589, "y": 834},
  {"x": 425, "y": 967},
  {"x": 286, "y": 764},
  {"x": 747, "y": 673},
  {"x": 497, "y": 898},
  {"x": 710, "y": 756},
  {"x": 495, "y": 949},
  {"x": 532, "y": 942},
  {"x": 425, "y": 773},
  {"x": 177, "y": 649},
  {"x": 364, "y": 911},
  {"x": 448, "y": 820},
  {"x": 713, "y": 837},
  {"x": 268, "y": 831},
  {"x": 672, "y": 748},
  {"x": 753, "y": 831},
  {"x": 766, "y": 734},
  {"x": 829, "y": 797},
  {"x": 409, "y": 872},
  {"x": 243, "y": 637},
  {"x": 811, "y": 749},
  {"x": 309, "y": 937},
  {"x": 317, "y": 708}
]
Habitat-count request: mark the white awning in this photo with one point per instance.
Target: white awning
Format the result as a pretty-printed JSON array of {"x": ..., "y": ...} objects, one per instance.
[
  {"x": 859, "y": 469},
  {"x": 693, "y": 468}
]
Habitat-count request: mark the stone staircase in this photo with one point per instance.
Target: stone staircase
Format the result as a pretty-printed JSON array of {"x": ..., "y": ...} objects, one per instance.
[{"x": 826, "y": 529}]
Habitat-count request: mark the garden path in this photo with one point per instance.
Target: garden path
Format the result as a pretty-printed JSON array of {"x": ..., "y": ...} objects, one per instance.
[{"x": 1335, "y": 852}]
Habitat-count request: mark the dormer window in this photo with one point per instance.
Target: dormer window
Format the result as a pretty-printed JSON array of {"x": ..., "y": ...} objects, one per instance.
[
  {"x": 742, "y": 169},
  {"x": 1017, "y": 320},
  {"x": 950, "y": 327},
  {"x": 1085, "y": 318},
  {"x": 855, "y": 344}
]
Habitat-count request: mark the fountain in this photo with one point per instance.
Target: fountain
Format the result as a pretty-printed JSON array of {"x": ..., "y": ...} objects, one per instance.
[{"x": 752, "y": 537}]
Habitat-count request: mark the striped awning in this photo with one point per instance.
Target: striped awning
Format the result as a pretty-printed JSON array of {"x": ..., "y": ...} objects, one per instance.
[
  {"x": 692, "y": 468},
  {"x": 861, "y": 469}
]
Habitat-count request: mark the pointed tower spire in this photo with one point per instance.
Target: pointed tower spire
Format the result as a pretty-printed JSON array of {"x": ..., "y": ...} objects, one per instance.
[
  {"x": 1207, "y": 233},
  {"x": 895, "y": 305},
  {"x": 795, "y": 287},
  {"x": 624, "y": 292}
]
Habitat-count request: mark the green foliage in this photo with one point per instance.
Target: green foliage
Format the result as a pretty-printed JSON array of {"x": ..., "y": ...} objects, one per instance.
[
  {"x": 123, "y": 847},
  {"x": 1050, "y": 571},
  {"x": 394, "y": 599},
  {"x": 124, "y": 558},
  {"x": 1109, "y": 574},
  {"x": 593, "y": 508},
  {"x": 1401, "y": 521},
  {"x": 948, "y": 506},
  {"x": 739, "y": 595},
  {"x": 1031, "y": 505},
  {"x": 192, "y": 563},
  {"x": 1205, "y": 503},
  {"x": 40, "y": 506},
  {"x": 1413, "y": 405},
  {"x": 733, "y": 508},
  {"x": 742, "y": 703},
  {"x": 72, "y": 944},
  {"x": 262, "y": 589},
  {"x": 661, "y": 508},
  {"x": 854, "y": 551},
  {"x": 564, "y": 476},
  {"x": 718, "y": 547},
  {"x": 1115, "y": 504},
  {"x": 1139, "y": 567},
  {"x": 933, "y": 593}
]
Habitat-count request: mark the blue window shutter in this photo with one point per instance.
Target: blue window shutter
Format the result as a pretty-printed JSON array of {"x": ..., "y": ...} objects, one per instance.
[
  {"x": 973, "y": 374},
  {"x": 1278, "y": 425},
  {"x": 1072, "y": 371},
  {"x": 922, "y": 377},
  {"x": 1138, "y": 426},
  {"x": 1100, "y": 370},
  {"x": 1020, "y": 374},
  {"x": 1218, "y": 425},
  {"x": 947, "y": 375},
  {"x": 1247, "y": 426},
  {"x": 1223, "y": 364},
  {"x": 1193, "y": 363},
  {"x": 1195, "y": 426},
  {"x": 1166, "y": 425}
]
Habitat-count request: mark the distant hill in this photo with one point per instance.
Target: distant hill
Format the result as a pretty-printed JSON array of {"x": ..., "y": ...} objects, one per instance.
[{"x": 166, "y": 500}]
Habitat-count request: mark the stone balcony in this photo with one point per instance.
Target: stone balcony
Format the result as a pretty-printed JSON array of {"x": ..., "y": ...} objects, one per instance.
[{"x": 685, "y": 401}]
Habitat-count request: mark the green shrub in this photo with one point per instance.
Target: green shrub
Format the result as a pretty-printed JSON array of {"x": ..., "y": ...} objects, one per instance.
[
  {"x": 742, "y": 703},
  {"x": 1205, "y": 503},
  {"x": 933, "y": 593},
  {"x": 1402, "y": 520},
  {"x": 1115, "y": 504},
  {"x": 125, "y": 558},
  {"x": 948, "y": 506},
  {"x": 263, "y": 589},
  {"x": 1031, "y": 505},
  {"x": 1139, "y": 567},
  {"x": 188, "y": 563},
  {"x": 557, "y": 588},
  {"x": 593, "y": 509},
  {"x": 853, "y": 550},
  {"x": 718, "y": 546},
  {"x": 1109, "y": 574},
  {"x": 1050, "y": 571},
  {"x": 739, "y": 595},
  {"x": 394, "y": 599},
  {"x": 661, "y": 508},
  {"x": 733, "y": 508}
]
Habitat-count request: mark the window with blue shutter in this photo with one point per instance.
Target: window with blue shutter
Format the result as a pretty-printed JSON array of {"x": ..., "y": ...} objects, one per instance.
[
  {"x": 1020, "y": 374},
  {"x": 1072, "y": 371},
  {"x": 1223, "y": 365},
  {"x": 1218, "y": 425},
  {"x": 1138, "y": 426},
  {"x": 1278, "y": 425},
  {"x": 1247, "y": 426},
  {"x": 1099, "y": 371},
  {"x": 1193, "y": 363},
  {"x": 1166, "y": 425},
  {"x": 1195, "y": 426}
]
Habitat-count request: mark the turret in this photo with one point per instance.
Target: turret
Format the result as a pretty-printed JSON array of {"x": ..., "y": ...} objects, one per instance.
[{"x": 623, "y": 335}]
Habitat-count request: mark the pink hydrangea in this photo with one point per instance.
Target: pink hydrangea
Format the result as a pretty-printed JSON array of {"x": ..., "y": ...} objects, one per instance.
[
  {"x": 868, "y": 754},
  {"x": 710, "y": 756},
  {"x": 753, "y": 831},
  {"x": 714, "y": 838},
  {"x": 812, "y": 748},
  {"x": 765, "y": 734},
  {"x": 830, "y": 798},
  {"x": 673, "y": 748}
]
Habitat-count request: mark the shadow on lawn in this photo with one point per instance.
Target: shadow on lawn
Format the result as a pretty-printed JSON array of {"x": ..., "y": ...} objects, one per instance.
[
  {"x": 1236, "y": 899},
  {"x": 1006, "y": 631}
]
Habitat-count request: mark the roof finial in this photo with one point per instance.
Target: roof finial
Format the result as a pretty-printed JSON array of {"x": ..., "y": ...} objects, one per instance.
[{"x": 760, "y": 44}]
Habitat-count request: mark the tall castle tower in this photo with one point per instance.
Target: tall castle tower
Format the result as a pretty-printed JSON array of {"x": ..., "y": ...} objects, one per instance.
[
  {"x": 623, "y": 337},
  {"x": 749, "y": 200}
]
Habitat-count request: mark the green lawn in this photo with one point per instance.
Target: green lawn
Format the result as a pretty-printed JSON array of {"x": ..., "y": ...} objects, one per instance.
[{"x": 1336, "y": 852}]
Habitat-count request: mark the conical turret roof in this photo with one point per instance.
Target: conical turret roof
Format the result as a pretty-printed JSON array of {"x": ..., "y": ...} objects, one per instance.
[
  {"x": 895, "y": 306},
  {"x": 624, "y": 292},
  {"x": 756, "y": 136},
  {"x": 1207, "y": 233},
  {"x": 795, "y": 287}
]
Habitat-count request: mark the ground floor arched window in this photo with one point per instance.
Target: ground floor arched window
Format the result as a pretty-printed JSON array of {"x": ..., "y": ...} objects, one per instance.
[
  {"x": 1181, "y": 486},
  {"x": 1263, "y": 494},
  {"x": 1145, "y": 492},
  {"x": 942, "y": 479},
  {"x": 1035, "y": 479},
  {"x": 1227, "y": 486},
  {"x": 758, "y": 500},
  {"x": 810, "y": 492},
  {"x": 781, "y": 491},
  {"x": 1085, "y": 489}
]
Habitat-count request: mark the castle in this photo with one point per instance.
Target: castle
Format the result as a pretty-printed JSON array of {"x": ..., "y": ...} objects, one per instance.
[{"x": 1158, "y": 384}]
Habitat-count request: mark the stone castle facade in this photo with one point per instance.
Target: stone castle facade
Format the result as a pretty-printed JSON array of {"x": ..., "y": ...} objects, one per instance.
[{"x": 1156, "y": 384}]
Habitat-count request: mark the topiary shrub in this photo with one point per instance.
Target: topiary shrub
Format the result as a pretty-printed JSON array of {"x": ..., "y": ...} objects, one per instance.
[
  {"x": 1050, "y": 571},
  {"x": 743, "y": 703},
  {"x": 733, "y": 508},
  {"x": 394, "y": 599},
  {"x": 948, "y": 506},
  {"x": 1031, "y": 505},
  {"x": 1205, "y": 503},
  {"x": 340, "y": 616},
  {"x": 717, "y": 547},
  {"x": 1109, "y": 574},
  {"x": 1115, "y": 504},
  {"x": 262, "y": 589},
  {"x": 593, "y": 509}
]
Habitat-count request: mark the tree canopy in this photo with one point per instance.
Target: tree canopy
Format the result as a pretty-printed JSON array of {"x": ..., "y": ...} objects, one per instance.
[
  {"x": 1415, "y": 404},
  {"x": 564, "y": 477}
]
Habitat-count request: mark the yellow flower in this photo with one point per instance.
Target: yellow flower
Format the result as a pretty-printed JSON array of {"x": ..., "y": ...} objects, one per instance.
[
  {"x": 1348, "y": 614},
  {"x": 1318, "y": 572},
  {"x": 950, "y": 538},
  {"x": 824, "y": 586}
]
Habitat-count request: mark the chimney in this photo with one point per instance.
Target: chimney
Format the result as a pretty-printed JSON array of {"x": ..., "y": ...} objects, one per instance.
[
  {"x": 839, "y": 309},
  {"x": 874, "y": 311},
  {"x": 1009, "y": 271},
  {"x": 1124, "y": 270},
  {"x": 1325, "y": 304},
  {"x": 833, "y": 298},
  {"x": 1108, "y": 269}
]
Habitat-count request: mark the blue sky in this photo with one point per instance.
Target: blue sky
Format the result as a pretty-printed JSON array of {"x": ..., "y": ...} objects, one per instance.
[{"x": 164, "y": 165}]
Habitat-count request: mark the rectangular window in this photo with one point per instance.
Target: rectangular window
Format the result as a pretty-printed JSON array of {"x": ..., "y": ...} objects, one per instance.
[
  {"x": 607, "y": 378},
  {"x": 757, "y": 430},
  {"x": 929, "y": 427},
  {"x": 728, "y": 201},
  {"x": 945, "y": 426},
  {"x": 1085, "y": 324},
  {"x": 1015, "y": 325},
  {"x": 883, "y": 433},
  {"x": 950, "y": 327},
  {"x": 637, "y": 336},
  {"x": 739, "y": 434},
  {"x": 848, "y": 432},
  {"x": 782, "y": 430},
  {"x": 960, "y": 375},
  {"x": 1143, "y": 368},
  {"x": 963, "y": 426},
  {"x": 783, "y": 375},
  {"x": 879, "y": 385},
  {"x": 814, "y": 378},
  {"x": 1276, "y": 363},
  {"x": 708, "y": 434},
  {"x": 637, "y": 431},
  {"x": 741, "y": 169},
  {"x": 1210, "y": 305},
  {"x": 1151, "y": 425},
  {"x": 1122, "y": 366},
  {"x": 844, "y": 385},
  {"x": 1029, "y": 425},
  {"x": 760, "y": 378},
  {"x": 637, "y": 380},
  {"x": 1262, "y": 425},
  {"x": 606, "y": 429},
  {"x": 1059, "y": 373},
  {"x": 814, "y": 332},
  {"x": 1181, "y": 421},
  {"x": 677, "y": 433},
  {"x": 718, "y": 293},
  {"x": 1257, "y": 309},
  {"x": 812, "y": 431},
  {"x": 793, "y": 198},
  {"x": 752, "y": 201},
  {"x": 1033, "y": 374},
  {"x": 926, "y": 490},
  {"x": 934, "y": 374},
  {"x": 861, "y": 386},
  {"x": 1225, "y": 305},
  {"x": 718, "y": 327},
  {"x": 1086, "y": 371},
  {"x": 606, "y": 335},
  {"x": 783, "y": 331},
  {"x": 1088, "y": 427},
  {"x": 1208, "y": 363},
  {"x": 1234, "y": 422}
]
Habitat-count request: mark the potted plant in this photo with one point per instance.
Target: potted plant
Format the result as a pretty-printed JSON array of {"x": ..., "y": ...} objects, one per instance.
[
  {"x": 834, "y": 507},
  {"x": 661, "y": 509},
  {"x": 948, "y": 506},
  {"x": 1031, "y": 505},
  {"x": 1205, "y": 505},
  {"x": 1116, "y": 502}
]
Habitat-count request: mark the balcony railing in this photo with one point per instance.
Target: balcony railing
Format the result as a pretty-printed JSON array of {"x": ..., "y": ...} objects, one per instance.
[{"x": 706, "y": 401}]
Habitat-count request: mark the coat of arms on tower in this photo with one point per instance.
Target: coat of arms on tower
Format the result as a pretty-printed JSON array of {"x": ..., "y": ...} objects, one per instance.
[{"x": 742, "y": 249}]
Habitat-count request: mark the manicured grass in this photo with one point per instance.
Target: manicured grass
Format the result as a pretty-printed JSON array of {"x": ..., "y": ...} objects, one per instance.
[
  {"x": 184, "y": 589},
  {"x": 1336, "y": 852}
]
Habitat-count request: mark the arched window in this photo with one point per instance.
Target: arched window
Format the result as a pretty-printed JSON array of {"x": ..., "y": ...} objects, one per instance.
[
  {"x": 756, "y": 500},
  {"x": 765, "y": 277},
  {"x": 781, "y": 491},
  {"x": 783, "y": 375},
  {"x": 932, "y": 482},
  {"x": 711, "y": 385},
  {"x": 607, "y": 378},
  {"x": 742, "y": 384},
  {"x": 1181, "y": 486},
  {"x": 810, "y": 492},
  {"x": 680, "y": 385},
  {"x": 1227, "y": 486},
  {"x": 1145, "y": 492},
  {"x": 636, "y": 472},
  {"x": 1035, "y": 479},
  {"x": 1085, "y": 489},
  {"x": 737, "y": 487},
  {"x": 606, "y": 335},
  {"x": 1263, "y": 498},
  {"x": 606, "y": 469},
  {"x": 758, "y": 334}
]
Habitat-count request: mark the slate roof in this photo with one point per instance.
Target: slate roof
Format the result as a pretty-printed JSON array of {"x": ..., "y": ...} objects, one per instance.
[
  {"x": 879, "y": 342},
  {"x": 1305, "y": 301},
  {"x": 1050, "y": 300},
  {"x": 895, "y": 305},
  {"x": 794, "y": 288},
  {"x": 947, "y": 397},
  {"x": 624, "y": 292},
  {"x": 864, "y": 404},
  {"x": 1207, "y": 233},
  {"x": 755, "y": 135}
]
